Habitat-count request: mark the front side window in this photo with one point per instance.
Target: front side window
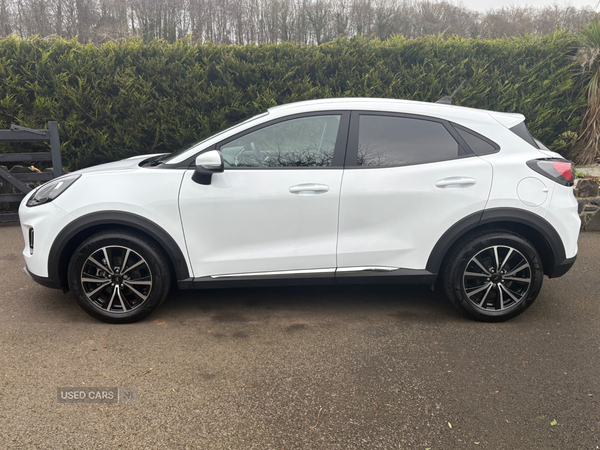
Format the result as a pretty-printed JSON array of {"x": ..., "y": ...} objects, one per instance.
[
  {"x": 301, "y": 142},
  {"x": 394, "y": 141}
]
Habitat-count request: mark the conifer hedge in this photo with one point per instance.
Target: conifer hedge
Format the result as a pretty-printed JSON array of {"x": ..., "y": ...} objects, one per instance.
[{"x": 122, "y": 99}]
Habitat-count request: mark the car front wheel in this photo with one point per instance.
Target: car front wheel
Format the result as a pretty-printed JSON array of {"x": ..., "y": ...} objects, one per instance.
[
  {"x": 118, "y": 276},
  {"x": 494, "y": 276}
]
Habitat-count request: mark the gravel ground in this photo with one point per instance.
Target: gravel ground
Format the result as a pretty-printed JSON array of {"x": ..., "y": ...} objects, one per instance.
[{"x": 367, "y": 367}]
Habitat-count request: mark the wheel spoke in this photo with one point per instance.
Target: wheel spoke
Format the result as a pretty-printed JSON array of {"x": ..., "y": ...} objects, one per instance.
[
  {"x": 98, "y": 289},
  {"x": 95, "y": 280},
  {"x": 99, "y": 264},
  {"x": 475, "y": 274},
  {"x": 133, "y": 267},
  {"x": 479, "y": 289},
  {"x": 142, "y": 283},
  {"x": 519, "y": 280},
  {"x": 125, "y": 260},
  {"x": 496, "y": 258},
  {"x": 517, "y": 270},
  {"x": 112, "y": 297},
  {"x": 500, "y": 297},
  {"x": 476, "y": 261},
  {"x": 486, "y": 294},
  {"x": 505, "y": 259},
  {"x": 135, "y": 291},
  {"x": 505, "y": 289},
  {"x": 107, "y": 259},
  {"x": 124, "y": 303}
]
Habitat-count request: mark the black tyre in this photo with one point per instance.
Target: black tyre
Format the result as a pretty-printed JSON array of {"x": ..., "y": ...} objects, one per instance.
[
  {"x": 493, "y": 276},
  {"x": 118, "y": 276}
]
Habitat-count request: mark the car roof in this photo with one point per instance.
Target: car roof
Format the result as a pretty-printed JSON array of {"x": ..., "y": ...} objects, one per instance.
[{"x": 449, "y": 112}]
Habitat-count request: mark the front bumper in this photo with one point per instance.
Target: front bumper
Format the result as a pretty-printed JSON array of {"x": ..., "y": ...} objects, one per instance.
[
  {"x": 46, "y": 221},
  {"x": 44, "y": 281}
]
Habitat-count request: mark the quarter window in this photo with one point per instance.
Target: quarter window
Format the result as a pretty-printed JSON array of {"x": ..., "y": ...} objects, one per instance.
[
  {"x": 302, "y": 142},
  {"x": 476, "y": 143},
  {"x": 394, "y": 141}
]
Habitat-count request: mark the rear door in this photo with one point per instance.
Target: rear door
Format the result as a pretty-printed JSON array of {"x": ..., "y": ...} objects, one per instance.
[{"x": 408, "y": 179}]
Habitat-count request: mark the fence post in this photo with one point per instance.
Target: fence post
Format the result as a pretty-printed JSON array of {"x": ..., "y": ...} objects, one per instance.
[{"x": 55, "y": 148}]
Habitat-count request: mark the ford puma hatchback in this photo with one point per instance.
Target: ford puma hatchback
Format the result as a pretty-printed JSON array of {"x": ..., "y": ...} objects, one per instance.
[{"x": 333, "y": 191}]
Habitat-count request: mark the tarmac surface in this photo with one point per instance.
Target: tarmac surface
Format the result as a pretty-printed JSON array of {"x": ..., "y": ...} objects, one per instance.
[{"x": 353, "y": 367}]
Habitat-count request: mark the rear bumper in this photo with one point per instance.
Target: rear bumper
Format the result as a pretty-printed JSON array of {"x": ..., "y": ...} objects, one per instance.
[{"x": 561, "y": 268}]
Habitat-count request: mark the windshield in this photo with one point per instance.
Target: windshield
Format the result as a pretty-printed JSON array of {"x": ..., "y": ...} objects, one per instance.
[{"x": 199, "y": 143}]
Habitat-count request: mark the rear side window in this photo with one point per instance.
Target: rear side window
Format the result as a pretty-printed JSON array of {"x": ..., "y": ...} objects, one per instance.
[
  {"x": 385, "y": 141},
  {"x": 522, "y": 131},
  {"x": 477, "y": 143}
]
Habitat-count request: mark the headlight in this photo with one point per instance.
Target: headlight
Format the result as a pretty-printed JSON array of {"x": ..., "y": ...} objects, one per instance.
[{"x": 52, "y": 189}]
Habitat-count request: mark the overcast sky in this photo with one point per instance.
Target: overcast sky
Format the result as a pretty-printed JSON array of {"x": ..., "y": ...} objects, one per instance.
[{"x": 483, "y": 5}]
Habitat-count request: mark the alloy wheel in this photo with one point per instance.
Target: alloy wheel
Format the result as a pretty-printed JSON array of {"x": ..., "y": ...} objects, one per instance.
[
  {"x": 497, "y": 278},
  {"x": 116, "y": 279}
]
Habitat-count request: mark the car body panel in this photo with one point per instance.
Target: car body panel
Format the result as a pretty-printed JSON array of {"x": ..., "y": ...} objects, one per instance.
[
  {"x": 46, "y": 220},
  {"x": 562, "y": 214},
  {"x": 249, "y": 221},
  {"x": 131, "y": 189},
  {"x": 394, "y": 216}
]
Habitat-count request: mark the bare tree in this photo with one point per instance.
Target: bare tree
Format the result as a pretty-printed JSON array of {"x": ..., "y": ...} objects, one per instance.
[
  {"x": 5, "y": 18},
  {"x": 318, "y": 16},
  {"x": 258, "y": 21}
]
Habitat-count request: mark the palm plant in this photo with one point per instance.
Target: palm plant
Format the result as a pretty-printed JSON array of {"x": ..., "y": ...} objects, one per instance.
[{"x": 588, "y": 56}]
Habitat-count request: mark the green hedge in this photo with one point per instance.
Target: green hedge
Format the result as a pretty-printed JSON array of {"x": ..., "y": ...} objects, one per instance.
[{"x": 121, "y": 99}]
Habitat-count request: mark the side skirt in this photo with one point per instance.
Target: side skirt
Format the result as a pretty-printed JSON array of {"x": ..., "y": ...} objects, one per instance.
[{"x": 344, "y": 276}]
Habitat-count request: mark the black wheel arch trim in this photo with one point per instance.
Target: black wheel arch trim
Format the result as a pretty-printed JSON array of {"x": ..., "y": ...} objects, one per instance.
[
  {"x": 453, "y": 234},
  {"x": 498, "y": 215},
  {"x": 120, "y": 218}
]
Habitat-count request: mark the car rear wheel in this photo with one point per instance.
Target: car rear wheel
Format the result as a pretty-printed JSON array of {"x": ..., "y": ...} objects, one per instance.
[
  {"x": 118, "y": 276},
  {"x": 494, "y": 276}
]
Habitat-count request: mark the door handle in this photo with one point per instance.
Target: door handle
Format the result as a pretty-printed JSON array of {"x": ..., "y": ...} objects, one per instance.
[
  {"x": 455, "y": 181},
  {"x": 309, "y": 189}
]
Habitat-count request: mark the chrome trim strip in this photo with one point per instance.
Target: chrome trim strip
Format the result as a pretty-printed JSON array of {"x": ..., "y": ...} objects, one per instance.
[
  {"x": 282, "y": 272},
  {"x": 308, "y": 272},
  {"x": 367, "y": 269}
]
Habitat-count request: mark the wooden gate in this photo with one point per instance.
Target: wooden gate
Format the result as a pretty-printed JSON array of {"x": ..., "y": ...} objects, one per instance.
[{"x": 22, "y": 134}]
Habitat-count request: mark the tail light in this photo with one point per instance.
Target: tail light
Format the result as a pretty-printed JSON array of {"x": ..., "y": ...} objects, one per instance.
[{"x": 558, "y": 170}]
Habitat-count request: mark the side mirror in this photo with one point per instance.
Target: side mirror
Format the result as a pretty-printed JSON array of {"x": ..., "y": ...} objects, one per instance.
[{"x": 208, "y": 163}]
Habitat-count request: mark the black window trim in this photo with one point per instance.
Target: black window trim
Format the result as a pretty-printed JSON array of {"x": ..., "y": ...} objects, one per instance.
[
  {"x": 352, "y": 150},
  {"x": 524, "y": 133},
  {"x": 339, "y": 152},
  {"x": 478, "y": 135}
]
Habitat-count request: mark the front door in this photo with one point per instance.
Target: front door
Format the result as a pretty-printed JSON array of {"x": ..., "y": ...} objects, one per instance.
[{"x": 275, "y": 207}]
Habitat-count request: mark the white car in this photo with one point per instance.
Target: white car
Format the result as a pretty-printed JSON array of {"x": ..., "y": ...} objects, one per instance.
[{"x": 334, "y": 191}]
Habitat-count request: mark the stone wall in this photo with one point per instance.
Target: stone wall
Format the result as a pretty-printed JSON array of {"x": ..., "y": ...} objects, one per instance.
[{"x": 586, "y": 191}]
